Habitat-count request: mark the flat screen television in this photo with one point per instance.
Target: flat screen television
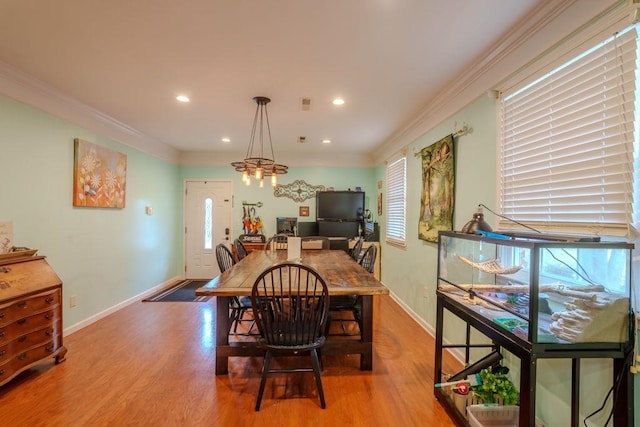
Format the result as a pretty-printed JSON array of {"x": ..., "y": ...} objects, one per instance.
[{"x": 339, "y": 205}]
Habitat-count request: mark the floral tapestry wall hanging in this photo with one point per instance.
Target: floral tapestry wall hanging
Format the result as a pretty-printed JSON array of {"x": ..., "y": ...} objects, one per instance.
[
  {"x": 99, "y": 176},
  {"x": 438, "y": 179}
]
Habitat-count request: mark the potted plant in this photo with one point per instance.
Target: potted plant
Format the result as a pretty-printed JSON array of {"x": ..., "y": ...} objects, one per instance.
[{"x": 496, "y": 386}]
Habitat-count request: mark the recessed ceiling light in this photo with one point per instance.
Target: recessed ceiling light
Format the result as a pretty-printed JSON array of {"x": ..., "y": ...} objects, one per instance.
[
  {"x": 338, "y": 101},
  {"x": 326, "y": 141},
  {"x": 183, "y": 98},
  {"x": 226, "y": 139}
]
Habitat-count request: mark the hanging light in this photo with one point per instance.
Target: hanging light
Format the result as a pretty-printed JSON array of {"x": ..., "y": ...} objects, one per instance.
[{"x": 258, "y": 165}]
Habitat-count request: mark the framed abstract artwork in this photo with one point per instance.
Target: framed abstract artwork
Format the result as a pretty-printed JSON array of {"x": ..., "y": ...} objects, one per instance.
[
  {"x": 438, "y": 181},
  {"x": 99, "y": 176}
]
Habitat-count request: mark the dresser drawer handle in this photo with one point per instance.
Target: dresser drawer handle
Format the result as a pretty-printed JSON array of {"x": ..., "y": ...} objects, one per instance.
[
  {"x": 22, "y": 338},
  {"x": 2, "y": 353},
  {"x": 49, "y": 300},
  {"x": 48, "y": 316},
  {"x": 2, "y": 315},
  {"x": 1, "y": 334},
  {"x": 1, "y": 372},
  {"x": 22, "y": 304},
  {"x": 49, "y": 348},
  {"x": 48, "y": 333},
  {"x": 21, "y": 321},
  {"x": 22, "y": 356}
]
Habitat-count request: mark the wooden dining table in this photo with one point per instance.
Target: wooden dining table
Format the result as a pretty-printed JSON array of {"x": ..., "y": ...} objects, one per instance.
[{"x": 343, "y": 276}]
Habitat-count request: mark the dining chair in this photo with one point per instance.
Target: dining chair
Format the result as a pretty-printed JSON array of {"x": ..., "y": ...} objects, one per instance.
[
  {"x": 290, "y": 303},
  {"x": 238, "y": 306},
  {"x": 351, "y": 303},
  {"x": 241, "y": 250},
  {"x": 357, "y": 248},
  {"x": 368, "y": 260},
  {"x": 279, "y": 241},
  {"x": 315, "y": 242}
]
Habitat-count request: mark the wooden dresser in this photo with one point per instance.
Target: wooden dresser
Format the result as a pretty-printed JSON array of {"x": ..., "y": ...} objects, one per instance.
[{"x": 30, "y": 315}]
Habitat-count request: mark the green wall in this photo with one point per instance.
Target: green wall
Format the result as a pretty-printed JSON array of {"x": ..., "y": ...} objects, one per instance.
[
  {"x": 273, "y": 207},
  {"x": 103, "y": 256},
  {"x": 408, "y": 271}
]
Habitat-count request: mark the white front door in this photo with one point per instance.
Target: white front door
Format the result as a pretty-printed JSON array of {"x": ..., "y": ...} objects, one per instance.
[{"x": 208, "y": 220}]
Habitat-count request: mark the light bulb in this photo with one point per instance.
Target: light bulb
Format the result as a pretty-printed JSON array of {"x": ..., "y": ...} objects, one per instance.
[
  {"x": 247, "y": 181},
  {"x": 261, "y": 183},
  {"x": 258, "y": 173},
  {"x": 245, "y": 176},
  {"x": 274, "y": 180}
]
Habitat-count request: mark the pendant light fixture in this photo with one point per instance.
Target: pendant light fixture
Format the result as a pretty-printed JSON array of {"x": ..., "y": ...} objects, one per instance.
[{"x": 256, "y": 163}]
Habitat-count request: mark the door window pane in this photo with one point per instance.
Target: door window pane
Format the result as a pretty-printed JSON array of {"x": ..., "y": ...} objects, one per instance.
[{"x": 208, "y": 223}]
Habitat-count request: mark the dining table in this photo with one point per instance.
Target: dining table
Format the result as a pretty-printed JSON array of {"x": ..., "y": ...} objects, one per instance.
[{"x": 343, "y": 275}]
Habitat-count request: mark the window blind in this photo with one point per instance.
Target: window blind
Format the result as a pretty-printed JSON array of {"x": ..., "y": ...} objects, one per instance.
[
  {"x": 396, "y": 202},
  {"x": 567, "y": 144}
]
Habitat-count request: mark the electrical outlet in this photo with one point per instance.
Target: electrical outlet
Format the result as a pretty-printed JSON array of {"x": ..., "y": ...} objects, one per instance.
[
  {"x": 72, "y": 301},
  {"x": 426, "y": 292}
]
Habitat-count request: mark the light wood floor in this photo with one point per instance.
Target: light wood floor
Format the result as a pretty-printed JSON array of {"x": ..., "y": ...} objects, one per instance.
[{"x": 152, "y": 364}]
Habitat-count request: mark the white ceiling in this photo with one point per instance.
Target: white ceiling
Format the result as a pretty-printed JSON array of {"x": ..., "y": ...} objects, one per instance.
[{"x": 128, "y": 59}]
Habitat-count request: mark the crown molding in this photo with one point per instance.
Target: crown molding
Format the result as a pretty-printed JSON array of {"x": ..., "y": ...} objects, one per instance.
[
  {"x": 28, "y": 90},
  {"x": 543, "y": 27}
]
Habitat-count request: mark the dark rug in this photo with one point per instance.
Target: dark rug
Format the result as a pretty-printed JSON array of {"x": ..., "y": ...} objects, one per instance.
[{"x": 184, "y": 291}]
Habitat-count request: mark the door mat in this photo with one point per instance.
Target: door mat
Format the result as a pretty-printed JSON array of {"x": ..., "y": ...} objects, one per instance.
[{"x": 184, "y": 291}]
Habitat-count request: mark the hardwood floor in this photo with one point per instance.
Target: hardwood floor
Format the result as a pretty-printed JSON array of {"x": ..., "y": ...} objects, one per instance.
[{"x": 152, "y": 364}]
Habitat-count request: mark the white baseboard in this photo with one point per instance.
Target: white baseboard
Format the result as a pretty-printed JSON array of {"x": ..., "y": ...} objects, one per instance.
[
  {"x": 92, "y": 319},
  {"x": 457, "y": 354}
]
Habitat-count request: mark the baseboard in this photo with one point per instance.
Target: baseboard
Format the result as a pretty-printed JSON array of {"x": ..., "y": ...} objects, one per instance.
[
  {"x": 457, "y": 354},
  {"x": 92, "y": 319}
]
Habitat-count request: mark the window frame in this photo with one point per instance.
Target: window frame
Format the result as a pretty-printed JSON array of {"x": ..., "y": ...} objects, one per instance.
[
  {"x": 522, "y": 206},
  {"x": 396, "y": 202}
]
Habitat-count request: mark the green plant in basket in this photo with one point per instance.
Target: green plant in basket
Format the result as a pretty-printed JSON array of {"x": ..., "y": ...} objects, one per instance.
[{"x": 496, "y": 383}]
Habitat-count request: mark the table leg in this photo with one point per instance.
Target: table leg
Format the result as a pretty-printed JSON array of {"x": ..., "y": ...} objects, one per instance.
[
  {"x": 222, "y": 334},
  {"x": 366, "y": 358}
]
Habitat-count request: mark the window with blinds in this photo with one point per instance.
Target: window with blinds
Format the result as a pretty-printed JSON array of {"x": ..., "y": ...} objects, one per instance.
[
  {"x": 396, "y": 202},
  {"x": 567, "y": 150}
]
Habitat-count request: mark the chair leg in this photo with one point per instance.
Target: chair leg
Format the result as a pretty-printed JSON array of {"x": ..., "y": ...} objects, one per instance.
[
  {"x": 316, "y": 371},
  {"x": 233, "y": 319},
  {"x": 263, "y": 380},
  {"x": 240, "y": 315}
]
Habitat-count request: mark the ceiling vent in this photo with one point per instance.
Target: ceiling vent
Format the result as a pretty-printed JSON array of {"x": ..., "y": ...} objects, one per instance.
[
  {"x": 305, "y": 104},
  {"x": 302, "y": 139}
]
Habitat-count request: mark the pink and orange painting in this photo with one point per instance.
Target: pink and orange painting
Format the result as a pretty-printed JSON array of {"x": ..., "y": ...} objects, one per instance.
[{"x": 99, "y": 176}]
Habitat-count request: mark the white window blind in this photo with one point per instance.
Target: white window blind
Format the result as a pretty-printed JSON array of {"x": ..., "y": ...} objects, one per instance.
[
  {"x": 396, "y": 202},
  {"x": 567, "y": 144}
]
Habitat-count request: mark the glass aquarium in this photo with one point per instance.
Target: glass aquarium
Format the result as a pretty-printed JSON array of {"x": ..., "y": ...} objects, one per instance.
[{"x": 543, "y": 289}]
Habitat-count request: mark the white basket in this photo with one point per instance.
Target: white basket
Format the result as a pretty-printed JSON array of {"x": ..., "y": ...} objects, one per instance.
[{"x": 493, "y": 416}]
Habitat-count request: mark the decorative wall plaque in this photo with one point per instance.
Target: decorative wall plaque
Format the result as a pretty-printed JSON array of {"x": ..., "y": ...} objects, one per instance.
[{"x": 298, "y": 190}]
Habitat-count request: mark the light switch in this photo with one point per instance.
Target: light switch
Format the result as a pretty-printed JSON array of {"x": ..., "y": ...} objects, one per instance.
[{"x": 148, "y": 210}]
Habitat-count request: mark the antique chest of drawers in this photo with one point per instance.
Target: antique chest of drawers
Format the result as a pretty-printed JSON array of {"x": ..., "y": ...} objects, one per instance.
[{"x": 30, "y": 315}]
